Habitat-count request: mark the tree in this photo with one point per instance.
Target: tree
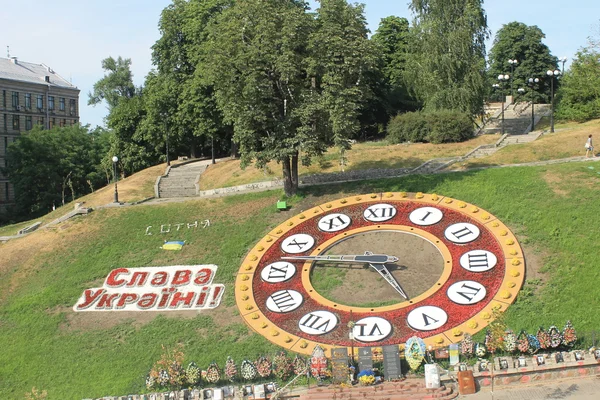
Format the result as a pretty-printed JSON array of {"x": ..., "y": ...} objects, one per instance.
[
  {"x": 50, "y": 167},
  {"x": 448, "y": 50},
  {"x": 517, "y": 41},
  {"x": 116, "y": 84},
  {"x": 392, "y": 38},
  {"x": 289, "y": 81},
  {"x": 579, "y": 94}
]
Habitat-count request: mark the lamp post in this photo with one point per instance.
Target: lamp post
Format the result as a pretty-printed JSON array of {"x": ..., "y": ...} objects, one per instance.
[
  {"x": 563, "y": 60},
  {"x": 114, "y": 160},
  {"x": 552, "y": 74},
  {"x": 512, "y": 63},
  {"x": 532, "y": 83},
  {"x": 167, "y": 138},
  {"x": 502, "y": 79}
]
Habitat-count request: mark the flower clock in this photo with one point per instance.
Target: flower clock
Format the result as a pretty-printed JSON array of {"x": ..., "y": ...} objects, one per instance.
[{"x": 377, "y": 269}]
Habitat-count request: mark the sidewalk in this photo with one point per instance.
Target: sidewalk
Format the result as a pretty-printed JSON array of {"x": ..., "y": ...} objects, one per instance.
[{"x": 574, "y": 389}]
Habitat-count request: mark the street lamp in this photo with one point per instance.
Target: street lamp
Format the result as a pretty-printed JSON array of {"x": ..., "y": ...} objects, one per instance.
[
  {"x": 114, "y": 160},
  {"x": 552, "y": 74},
  {"x": 512, "y": 63},
  {"x": 532, "y": 84},
  {"x": 502, "y": 79},
  {"x": 563, "y": 60}
]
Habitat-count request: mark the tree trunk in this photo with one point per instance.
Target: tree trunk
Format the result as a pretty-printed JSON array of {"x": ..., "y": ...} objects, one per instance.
[
  {"x": 289, "y": 185},
  {"x": 212, "y": 146},
  {"x": 295, "y": 171}
]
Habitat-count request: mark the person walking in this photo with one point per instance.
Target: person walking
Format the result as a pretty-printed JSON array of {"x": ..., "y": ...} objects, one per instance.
[{"x": 589, "y": 147}]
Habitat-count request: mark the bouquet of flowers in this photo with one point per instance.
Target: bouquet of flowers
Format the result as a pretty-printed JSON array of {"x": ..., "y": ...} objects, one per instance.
[
  {"x": 282, "y": 366},
  {"x": 555, "y": 337},
  {"x": 544, "y": 338},
  {"x": 163, "y": 378},
  {"x": 299, "y": 365},
  {"x": 510, "y": 341},
  {"x": 489, "y": 345},
  {"x": 263, "y": 366},
  {"x": 213, "y": 373},
  {"x": 192, "y": 374},
  {"x": 569, "y": 335},
  {"x": 248, "y": 370},
  {"x": 534, "y": 344},
  {"x": 366, "y": 377},
  {"x": 480, "y": 350},
  {"x": 523, "y": 342},
  {"x": 230, "y": 369},
  {"x": 467, "y": 345},
  {"x": 150, "y": 382}
]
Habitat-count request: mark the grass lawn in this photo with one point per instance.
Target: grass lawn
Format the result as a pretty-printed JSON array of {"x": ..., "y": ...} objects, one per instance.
[{"x": 552, "y": 209}]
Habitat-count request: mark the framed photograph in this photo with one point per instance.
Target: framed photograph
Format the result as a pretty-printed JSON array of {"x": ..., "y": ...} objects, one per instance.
[
  {"x": 522, "y": 362},
  {"x": 540, "y": 360},
  {"x": 504, "y": 363},
  {"x": 597, "y": 354},
  {"x": 462, "y": 367},
  {"x": 208, "y": 394},
  {"x": 558, "y": 357},
  {"x": 483, "y": 366},
  {"x": 270, "y": 387},
  {"x": 248, "y": 390},
  {"x": 579, "y": 356}
]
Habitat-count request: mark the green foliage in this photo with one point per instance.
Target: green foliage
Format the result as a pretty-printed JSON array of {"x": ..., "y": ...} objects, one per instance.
[
  {"x": 448, "y": 54},
  {"x": 516, "y": 40},
  {"x": 116, "y": 84},
  {"x": 289, "y": 81},
  {"x": 579, "y": 94},
  {"x": 444, "y": 126},
  {"x": 51, "y": 167}
]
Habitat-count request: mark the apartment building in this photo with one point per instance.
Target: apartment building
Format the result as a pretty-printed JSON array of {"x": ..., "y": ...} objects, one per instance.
[{"x": 31, "y": 94}]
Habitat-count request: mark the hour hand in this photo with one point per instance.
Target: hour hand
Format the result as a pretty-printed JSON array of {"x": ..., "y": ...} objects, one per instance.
[
  {"x": 383, "y": 271},
  {"x": 366, "y": 258}
]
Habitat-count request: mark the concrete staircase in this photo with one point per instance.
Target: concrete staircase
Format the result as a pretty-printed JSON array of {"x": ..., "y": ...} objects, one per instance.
[
  {"x": 436, "y": 164},
  {"x": 404, "y": 390},
  {"x": 180, "y": 180}
]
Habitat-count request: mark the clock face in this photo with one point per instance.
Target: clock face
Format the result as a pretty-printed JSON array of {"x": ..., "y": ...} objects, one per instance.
[{"x": 411, "y": 264}]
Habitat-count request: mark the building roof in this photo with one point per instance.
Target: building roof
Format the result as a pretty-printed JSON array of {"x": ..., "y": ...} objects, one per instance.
[{"x": 17, "y": 70}]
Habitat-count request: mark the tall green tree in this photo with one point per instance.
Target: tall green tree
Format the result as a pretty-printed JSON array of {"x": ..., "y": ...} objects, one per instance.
[
  {"x": 393, "y": 39},
  {"x": 116, "y": 84},
  {"x": 51, "y": 167},
  {"x": 517, "y": 41},
  {"x": 579, "y": 94},
  {"x": 447, "y": 68},
  {"x": 289, "y": 81},
  {"x": 180, "y": 99}
]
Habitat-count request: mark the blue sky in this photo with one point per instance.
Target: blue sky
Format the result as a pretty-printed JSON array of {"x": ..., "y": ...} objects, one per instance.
[{"x": 73, "y": 36}]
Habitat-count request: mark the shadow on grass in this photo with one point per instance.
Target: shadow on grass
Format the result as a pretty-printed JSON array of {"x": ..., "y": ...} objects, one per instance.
[{"x": 402, "y": 162}]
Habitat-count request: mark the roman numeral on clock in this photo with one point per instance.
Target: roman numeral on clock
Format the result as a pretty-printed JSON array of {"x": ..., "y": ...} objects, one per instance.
[
  {"x": 280, "y": 271},
  {"x": 425, "y": 216},
  {"x": 379, "y": 212},
  {"x": 298, "y": 243},
  {"x": 462, "y": 232},
  {"x": 426, "y": 318},
  {"x": 284, "y": 301},
  {"x": 466, "y": 292},
  {"x": 478, "y": 260},
  {"x": 334, "y": 222},
  {"x": 318, "y": 322},
  {"x": 371, "y": 329}
]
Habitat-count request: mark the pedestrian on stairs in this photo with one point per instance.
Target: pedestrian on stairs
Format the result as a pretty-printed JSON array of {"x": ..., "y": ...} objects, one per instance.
[{"x": 589, "y": 147}]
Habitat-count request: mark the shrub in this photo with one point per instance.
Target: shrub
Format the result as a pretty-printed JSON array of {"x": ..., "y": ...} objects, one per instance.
[{"x": 443, "y": 126}]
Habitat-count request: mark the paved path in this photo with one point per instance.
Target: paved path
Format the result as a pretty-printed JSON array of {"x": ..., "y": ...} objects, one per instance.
[{"x": 574, "y": 389}]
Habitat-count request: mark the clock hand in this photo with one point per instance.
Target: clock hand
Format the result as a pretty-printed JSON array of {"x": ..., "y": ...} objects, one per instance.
[
  {"x": 383, "y": 271},
  {"x": 366, "y": 258}
]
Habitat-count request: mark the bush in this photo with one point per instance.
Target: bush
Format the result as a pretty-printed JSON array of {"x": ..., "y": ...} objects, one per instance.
[{"x": 443, "y": 126}]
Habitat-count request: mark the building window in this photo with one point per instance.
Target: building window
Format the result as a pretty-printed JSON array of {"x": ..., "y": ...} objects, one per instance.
[
  {"x": 41, "y": 122},
  {"x": 5, "y": 123},
  {"x": 15, "y": 99},
  {"x": 28, "y": 101},
  {"x": 28, "y": 123},
  {"x": 61, "y": 104},
  {"x": 16, "y": 124},
  {"x": 39, "y": 102},
  {"x": 50, "y": 102},
  {"x": 63, "y": 123},
  {"x": 52, "y": 122},
  {"x": 71, "y": 107},
  {"x": 5, "y": 145},
  {"x": 4, "y": 98}
]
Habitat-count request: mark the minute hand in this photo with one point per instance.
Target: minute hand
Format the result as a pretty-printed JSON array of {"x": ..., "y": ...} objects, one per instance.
[
  {"x": 367, "y": 258},
  {"x": 383, "y": 271}
]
